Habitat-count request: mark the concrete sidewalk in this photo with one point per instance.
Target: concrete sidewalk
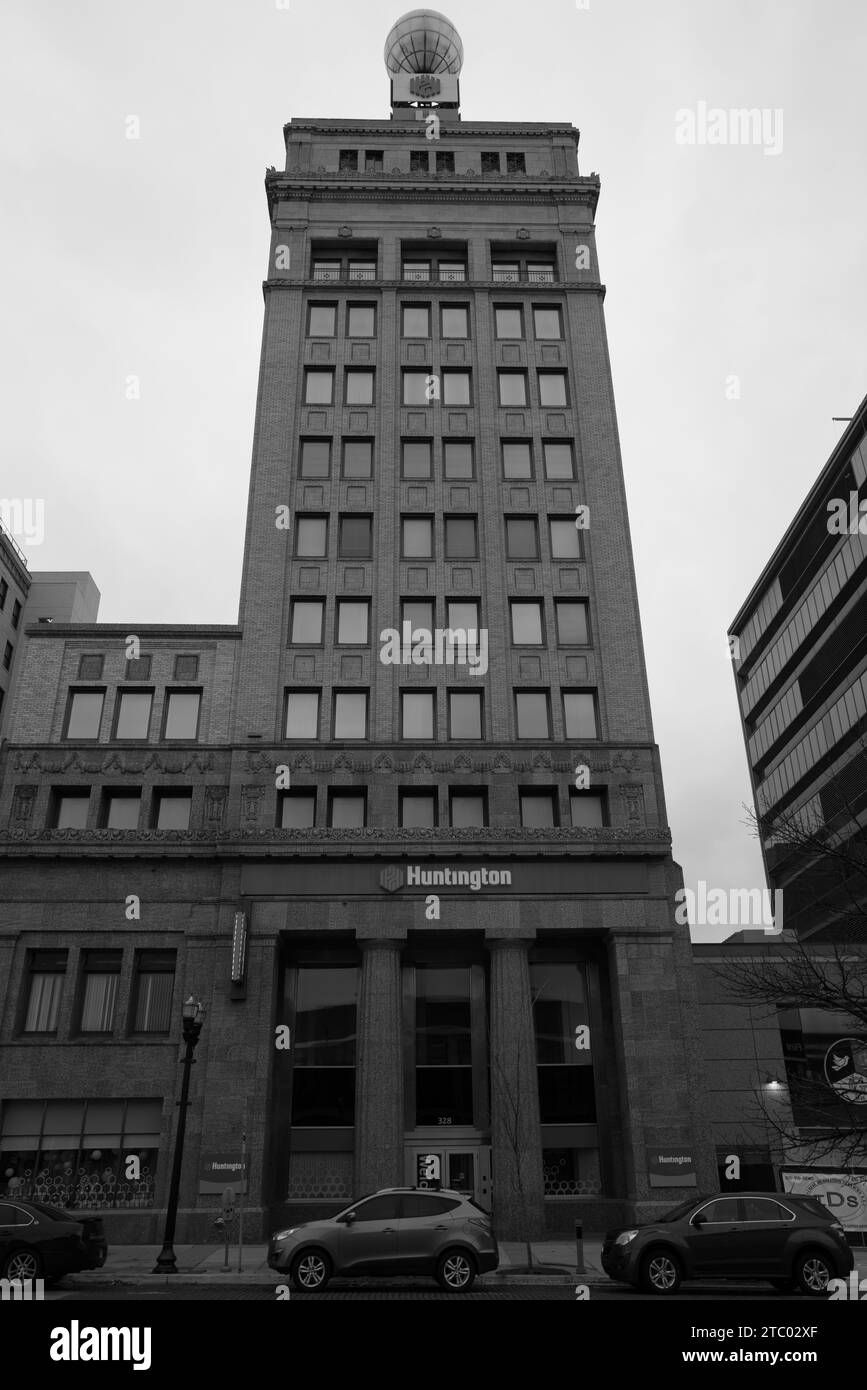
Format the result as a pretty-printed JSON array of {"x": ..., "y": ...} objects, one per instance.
[{"x": 203, "y": 1264}]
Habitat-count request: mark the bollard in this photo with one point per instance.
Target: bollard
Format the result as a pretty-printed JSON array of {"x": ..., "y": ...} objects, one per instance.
[{"x": 579, "y": 1248}]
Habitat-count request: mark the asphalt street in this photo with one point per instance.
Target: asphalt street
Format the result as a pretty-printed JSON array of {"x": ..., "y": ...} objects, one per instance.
[{"x": 423, "y": 1290}]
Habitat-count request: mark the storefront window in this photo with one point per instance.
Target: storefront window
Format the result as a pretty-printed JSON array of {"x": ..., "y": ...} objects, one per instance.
[
  {"x": 443, "y": 1040},
  {"x": 564, "y": 1060},
  {"x": 323, "y": 1083},
  {"x": 77, "y": 1154},
  {"x": 571, "y": 1172}
]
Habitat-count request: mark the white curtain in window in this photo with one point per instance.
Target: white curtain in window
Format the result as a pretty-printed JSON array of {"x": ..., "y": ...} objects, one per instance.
[
  {"x": 100, "y": 997},
  {"x": 44, "y": 1003},
  {"x": 153, "y": 1014}
]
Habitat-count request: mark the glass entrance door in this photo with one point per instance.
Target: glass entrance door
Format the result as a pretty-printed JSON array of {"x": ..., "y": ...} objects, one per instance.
[{"x": 466, "y": 1170}]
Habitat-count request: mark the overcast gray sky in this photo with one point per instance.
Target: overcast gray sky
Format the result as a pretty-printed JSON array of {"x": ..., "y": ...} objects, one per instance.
[{"x": 145, "y": 258}]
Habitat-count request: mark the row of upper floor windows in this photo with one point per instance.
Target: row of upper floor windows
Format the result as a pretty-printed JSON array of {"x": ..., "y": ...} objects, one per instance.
[
  {"x": 424, "y": 387},
  {"x": 418, "y": 808},
  {"x": 355, "y": 537},
  {"x": 15, "y": 616},
  {"x": 518, "y": 459},
  {"x": 419, "y": 266},
  {"x": 835, "y": 727},
  {"x": 97, "y": 992},
  {"x": 510, "y": 321},
  {"x": 373, "y": 161},
  {"x": 527, "y": 621}
]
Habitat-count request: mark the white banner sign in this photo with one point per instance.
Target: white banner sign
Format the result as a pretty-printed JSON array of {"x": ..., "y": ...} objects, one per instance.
[{"x": 844, "y": 1194}]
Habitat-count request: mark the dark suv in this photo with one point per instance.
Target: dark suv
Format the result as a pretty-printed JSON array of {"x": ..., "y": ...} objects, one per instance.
[
  {"x": 399, "y": 1230},
  {"x": 793, "y": 1242}
]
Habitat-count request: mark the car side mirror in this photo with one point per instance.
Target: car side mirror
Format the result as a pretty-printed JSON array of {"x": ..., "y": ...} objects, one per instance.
[
  {"x": 699, "y": 1221},
  {"x": 348, "y": 1219}
]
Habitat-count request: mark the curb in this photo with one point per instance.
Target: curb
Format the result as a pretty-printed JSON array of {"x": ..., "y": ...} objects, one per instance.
[{"x": 233, "y": 1280}]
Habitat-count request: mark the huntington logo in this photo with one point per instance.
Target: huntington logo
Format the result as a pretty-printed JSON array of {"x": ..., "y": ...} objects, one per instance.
[
  {"x": 425, "y": 86},
  {"x": 391, "y": 879}
]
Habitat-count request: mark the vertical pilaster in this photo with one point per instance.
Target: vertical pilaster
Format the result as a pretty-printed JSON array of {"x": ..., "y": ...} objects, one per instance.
[
  {"x": 516, "y": 1134},
  {"x": 379, "y": 1069}
]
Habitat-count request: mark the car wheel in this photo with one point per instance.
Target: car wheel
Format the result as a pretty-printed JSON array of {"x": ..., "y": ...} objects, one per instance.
[
  {"x": 310, "y": 1271},
  {"x": 783, "y": 1285},
  {"x": 456, "y": 1271},
  {"x": 813, "y": 1273},
  {"x": 660, "y": 1272},
  {"x": 23, "y": 1264}
]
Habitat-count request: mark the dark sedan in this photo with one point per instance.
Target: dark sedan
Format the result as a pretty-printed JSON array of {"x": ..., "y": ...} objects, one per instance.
[
  {"x": 42, "y": 1242},
  {"x": 793, "y": 1242}
]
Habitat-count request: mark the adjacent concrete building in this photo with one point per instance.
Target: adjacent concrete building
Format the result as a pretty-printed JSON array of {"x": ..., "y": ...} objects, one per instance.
[{"x": 403, "y": 828}]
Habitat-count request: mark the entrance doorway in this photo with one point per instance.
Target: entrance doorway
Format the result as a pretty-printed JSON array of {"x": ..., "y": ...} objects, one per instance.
[{"x": 465, "y": 1168}]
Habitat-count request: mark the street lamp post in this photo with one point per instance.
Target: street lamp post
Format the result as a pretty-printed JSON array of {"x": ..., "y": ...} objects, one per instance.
[{"x": 194, "y": 1017}]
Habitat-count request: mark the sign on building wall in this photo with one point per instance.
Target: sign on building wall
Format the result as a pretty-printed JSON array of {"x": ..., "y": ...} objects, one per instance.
[
  {"x": 222, "y": 1170},
  {"x": 428, "y": 1170},
  {"x": 844, "y": 1194},
  {"x": 668, "y": 1167}
]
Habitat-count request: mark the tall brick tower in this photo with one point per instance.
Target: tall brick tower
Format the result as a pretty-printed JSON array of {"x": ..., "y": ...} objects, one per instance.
[{"x": 403, "y": 828}]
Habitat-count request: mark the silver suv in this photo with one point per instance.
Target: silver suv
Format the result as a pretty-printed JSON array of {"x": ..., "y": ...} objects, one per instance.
[{"x": 398, "y": 1230}]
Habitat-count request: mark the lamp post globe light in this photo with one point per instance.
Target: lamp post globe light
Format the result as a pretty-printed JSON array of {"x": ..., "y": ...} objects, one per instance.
[{"x": 193, "y": 1017}]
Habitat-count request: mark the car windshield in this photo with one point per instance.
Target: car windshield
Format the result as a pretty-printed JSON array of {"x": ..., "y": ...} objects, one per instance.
[{"x": 677, "y": 1212}]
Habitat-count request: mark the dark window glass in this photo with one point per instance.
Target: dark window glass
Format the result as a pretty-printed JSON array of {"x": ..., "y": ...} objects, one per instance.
[
  {"x": 46, "y": 973},
  {"x": 587, "y": 809},
  {"x": 325, "y": 1012},
  {"x": 71, "y": 810},
  {"x": 461, "y": 538},
  {"x": 522, "y": 540},
  {"x": 311, "y": 537},
  {"x": 173, "y": 812},
  {"x": 566, "y": 1096},
  {"x": 532, "y": 709},
  {"x": 122, "y": 810},
  {"x": 182, "y": 714},
  {"x": 458, "y": 459},
  {"x": 418, "y": 810},
  {"x": 579, "y": 708},
  {"x": 350, "y": 714},
  {"x": 315, "y": 458},
  {"x": 417, "y": 538},
  {"x": 323, "y": 1097},
  {"x": 490, "y": 161},
  {"x": 724, "y": 1209},
  {"x": 186, "y": 668},
  {"x": 153, "y": 986},
  {"x": 517, "y": 460},
  {"x": 101, "y": 981},
  {"x": 355, "y": 537},
  {"x": 418, "y": 714},
  {"x": 468, "y": 809},
  {"x": 385, "y": 1208},
  {"x": 455, "y": 321},
  {"x": 565, "y": 540},
  {"x": 322, "y": 322},
  {"x": 133, "y": 713},
  {"x": 85, "y": 714},
  {"x": 348, "y": 161},
  {"x": 319, "y": 388},
  {"x": 357, "y": 458},
  {"x": 298, "y": 811},
  {"x": 307, "y": 621},
  {"x": 558, "y": 461},
  {"x": 538, "y": 810},
  {"x": 465, "y": 714},
  {"x": 516, "y": 163},
  {"x": 417, "y": 458},
  {"x": 445, "y": 162},
  {"x": 347, "y": 810},
  {"x": 443, "y": 1045},
  {"x": 419, "y": 162},
  {"x": 361, "y": 321},
  {"x": 571, "y": 624},
  {"x": 90, "y": 668}
]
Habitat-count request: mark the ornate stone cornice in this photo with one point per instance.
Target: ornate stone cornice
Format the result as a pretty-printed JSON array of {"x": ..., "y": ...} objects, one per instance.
[
  {"x": 118, "y": 761},
  {"x": 618, "y": 762},
  {"x": 329, "y": 286}
]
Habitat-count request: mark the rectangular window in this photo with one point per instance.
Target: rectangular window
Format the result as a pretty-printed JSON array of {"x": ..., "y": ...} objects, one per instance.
[
  {"x": 416, "y": 270},
  {"x": 453, "y": 272},
  {"x": 456, "y": 388},
  {"x": 323, "y": 1051},
  {"x": 516, "y": 163},
  {"x": 297, "y": 810},
  {"x": 182, "y": 714},
  {"x": 506, "y": 272},
  {"x": 347, "y": 810},
  {"x": 443, "y": 1045},
  {"x": 153, "y": 986},
  {"x": 540, "y": 272},
  {"x": 373, "y": 162},
  {"x": 306, "y": 626},
  {"x": 517, "y": 459},
  {"x": 565, "y": 540},
  {"x": 133, "y": 713},
  {"x": 419, "y": 614},
  {"x": 318, "y": 387},
  {"x": 326, "y": 270},
  {"x": 361, "y": 321},
  {"x": 4, "y": 590},
  {"x": 186, "y": 667},
  {"x": 359, "y": 388},
  {"x": 84, "y": 714},
  {"x": 137, "y": 668},
  {"x": 90, "y": 667},
  {"x": 7, "y": 656},
  {"x": 315, "y": 458},
  {"x": 122, "y": 809},
  {"x": 415, "y": 388},
  {"x": 465, "y": 714},
  {"x": 356, "y": 538},
  {"x": 538, "y": 810},
  {"x": 527, "y": 624},
  {"x": 418, "y": 810},
  {"x": 579, "y": 710},
  {"x": 16, "y": 613},
  {"x": 419, "y": 162},
  {"x": 571, "y": 623},
  {"x": 513, "y": 388},
  {"x": 547, "y": 323},
  {"x": 362, "y": 270},
  {"x": 101, "y": 977},
  {"x": 458, "y": 459},
  {"x": 552, "y": 388},
  {"x": 45, "y": 975},
  {"x": 565, "y": 1072},
  {"x": 490, "y": 161},
  {"x": 522, "y": 539},
  {"x": 461, "y": 542},
  {"x": 509, "y": 322},
  {"x": 358, "y": 458},
  {"x": 445, "y": 162},
  {"x": 417, "y": 534},
  {"x": 302, "y": 714},
  {"x": 417, "y": 708},
  {"x": 454, "y": 321},
  {"x": 350, "y": 714},
  {"x": 463, "y": 615},
  {"x": 533, "y": 714},
  {"x": 173, "y": 810},
  {"x": 417, "y": 458},
  {"x": 348, "y": 162},
  {"x": 322, "y": 321},
  {"x": 416, "y": 320},
  {"x": 468, "y": 810},
  {"x": 559, "y": 462},
  {"x": 586, "y": 808},
  {"x": 70, "y": 808},
  {"x": 311, "y": 537},
  {"x": 353, "y": 622}
]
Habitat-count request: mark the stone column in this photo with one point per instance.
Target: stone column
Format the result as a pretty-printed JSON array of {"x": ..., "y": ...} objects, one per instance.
[
  {"x": 379, "y": 1101},
  {"x": 515, "y": 1131}
]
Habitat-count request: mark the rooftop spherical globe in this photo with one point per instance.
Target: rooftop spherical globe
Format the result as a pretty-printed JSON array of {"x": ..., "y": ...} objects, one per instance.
[{"x": 424, "y": 41}]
